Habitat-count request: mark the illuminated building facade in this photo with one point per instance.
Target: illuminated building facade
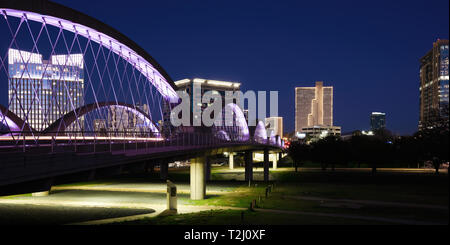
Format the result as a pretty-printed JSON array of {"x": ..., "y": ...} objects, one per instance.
[
  {"x": 218, "y": 87},
  {"x": 433, "y": 88},
  {"x": 314, "y": 111},
  {"x": 197, "y": 87},
  {"x": 377, "y": 121},
  {"x": 318, "y": 132},
  {"x": 313, "y": 106},
  {"x": 41, "y": 91}
]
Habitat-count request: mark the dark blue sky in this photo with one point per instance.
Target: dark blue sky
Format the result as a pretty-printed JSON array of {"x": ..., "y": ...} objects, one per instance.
[{"x": 368, "y": 50}]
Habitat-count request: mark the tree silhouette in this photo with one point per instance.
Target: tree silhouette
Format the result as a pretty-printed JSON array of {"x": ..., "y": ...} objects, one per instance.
[{"x": 299, "y": 152}]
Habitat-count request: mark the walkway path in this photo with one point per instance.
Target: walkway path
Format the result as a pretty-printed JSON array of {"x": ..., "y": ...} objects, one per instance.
[{"x": 158, "y": 210}]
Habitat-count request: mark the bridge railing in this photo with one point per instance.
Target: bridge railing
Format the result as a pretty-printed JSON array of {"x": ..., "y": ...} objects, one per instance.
[{"x": 94, "y": 141}]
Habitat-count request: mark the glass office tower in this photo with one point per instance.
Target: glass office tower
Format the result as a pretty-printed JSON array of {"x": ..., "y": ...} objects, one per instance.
[
  {"x": 433, "y": 88},
  {"x": 377, "y": 121},
  {"x": 41, "y": 91}
]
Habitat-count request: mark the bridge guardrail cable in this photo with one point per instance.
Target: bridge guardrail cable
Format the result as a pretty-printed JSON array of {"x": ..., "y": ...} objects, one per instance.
[{"x": 94, "y": 141}]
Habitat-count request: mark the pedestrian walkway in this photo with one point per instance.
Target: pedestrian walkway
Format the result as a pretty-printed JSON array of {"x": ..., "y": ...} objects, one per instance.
[
  {"x": 142, "y": 187},
  {"x": 159, "y": 209}
]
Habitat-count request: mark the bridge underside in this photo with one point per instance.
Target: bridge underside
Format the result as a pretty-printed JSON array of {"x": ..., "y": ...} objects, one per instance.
[{"x": 33, "y": 172}]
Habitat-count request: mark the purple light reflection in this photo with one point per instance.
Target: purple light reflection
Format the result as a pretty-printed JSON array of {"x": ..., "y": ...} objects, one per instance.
[
  {"x": 260, "y": 133},
  {"x": 240, "y": 121},
  {"x": 9, "y": 123}
]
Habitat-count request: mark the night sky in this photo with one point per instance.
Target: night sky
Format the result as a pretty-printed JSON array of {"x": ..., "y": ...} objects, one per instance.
[{"x": 368, "y": 50}]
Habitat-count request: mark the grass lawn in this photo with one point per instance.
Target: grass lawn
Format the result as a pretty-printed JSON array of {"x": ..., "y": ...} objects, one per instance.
[{"x": 418, "y": 188}]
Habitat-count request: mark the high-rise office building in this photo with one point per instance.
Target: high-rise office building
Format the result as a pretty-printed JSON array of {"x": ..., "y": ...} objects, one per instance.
[
  {"x": 41, "y": 91},
  {"x": 219, "y": 87},
  {"x": 275, "y": 125},
  {"x": 313, "y": 106},
  {"x": 314, "y": 111},
  {"x": 377, "y": 121},
  {"x": 196, "y": 88},
  {"x": 433, "y": 88}
]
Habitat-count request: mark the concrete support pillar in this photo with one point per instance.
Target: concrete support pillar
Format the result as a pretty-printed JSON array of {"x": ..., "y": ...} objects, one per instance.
[
  {"x": 208, "y": 169},
  {"x": 231, "y": 160},
  {"x": 266, "y": 165},
  {"x": 275, "y": 161},
  {"x": 198, "y": 184},
  {"x": 164, "y": 169},
  {"x": 248, "y": 158}
]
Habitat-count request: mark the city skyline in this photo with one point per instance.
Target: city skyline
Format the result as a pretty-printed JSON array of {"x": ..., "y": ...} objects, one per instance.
[
  {"x": 364, "y": 50},
  {"x": 196, "y": 126}
]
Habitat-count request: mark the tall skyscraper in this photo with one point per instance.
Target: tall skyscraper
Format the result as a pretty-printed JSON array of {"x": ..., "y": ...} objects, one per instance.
[
  {"x": 433, "y": 88},
  {"x": 41, "y": 91},
  {"x": 314, "y": 111},
  {"x": 275, "y": 125},
  {"x": 313, "y": 106},
  {"x": 377, "y": 121}
]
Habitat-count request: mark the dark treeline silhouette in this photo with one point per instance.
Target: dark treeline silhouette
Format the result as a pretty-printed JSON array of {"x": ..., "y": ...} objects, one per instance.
[{"x": 380, "y": 150}]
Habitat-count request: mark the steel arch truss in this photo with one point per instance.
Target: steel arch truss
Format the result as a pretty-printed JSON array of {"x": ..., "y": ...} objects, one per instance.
[
  {"x": 62, "y": 76},
  {"x": 60, "y": 125}
]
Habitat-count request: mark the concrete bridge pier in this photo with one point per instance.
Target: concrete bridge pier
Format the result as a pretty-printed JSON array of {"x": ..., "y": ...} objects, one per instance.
[
  {"x": 266, "y": 165},
  {"x": 231, "y": 160},
  {"x": 198, "y": 182},
  {"x": 275, "y": 160},
  {"x": 248, "y": 158},
  {"x": 163, "y": 169},
  {"x": 208, "y": 169}
]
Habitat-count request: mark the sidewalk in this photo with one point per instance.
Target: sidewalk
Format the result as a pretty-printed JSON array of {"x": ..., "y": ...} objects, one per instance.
[{"x": 158, "y": 210}]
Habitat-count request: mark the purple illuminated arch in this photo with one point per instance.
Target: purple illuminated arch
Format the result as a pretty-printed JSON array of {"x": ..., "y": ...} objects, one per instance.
[
  {"x": 221, "y": 134},
  {"x": 240, "y": 121},
  {"x": 57, "y": 15},
  {"x": 15, "y": 124},
  {"x": 260, "y": 135},
  {"x": 279, "y": 143},
  {"x": 272, "y": 138},
  {"x": 60, "y": 125}
]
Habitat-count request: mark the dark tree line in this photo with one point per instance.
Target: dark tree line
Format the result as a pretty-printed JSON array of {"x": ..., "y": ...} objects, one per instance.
[{"x": 381, "y": 149}]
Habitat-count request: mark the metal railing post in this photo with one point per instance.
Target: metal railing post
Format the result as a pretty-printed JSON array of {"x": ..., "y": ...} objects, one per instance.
[{"x": 75, "y": 142}]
